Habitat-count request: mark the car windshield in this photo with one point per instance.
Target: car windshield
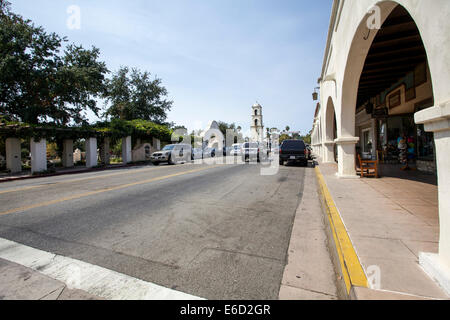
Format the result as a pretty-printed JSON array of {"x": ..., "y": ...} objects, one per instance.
[
  {"x": 168, "y": 148},
  {"x": 251, "y": 146}
]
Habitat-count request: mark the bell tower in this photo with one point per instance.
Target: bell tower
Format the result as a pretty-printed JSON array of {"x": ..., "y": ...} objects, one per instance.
[{"x": 257, "y": 127}]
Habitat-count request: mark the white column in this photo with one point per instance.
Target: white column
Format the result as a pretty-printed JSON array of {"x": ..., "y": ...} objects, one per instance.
[
  {"x": 91, "y": 153},
  {"x": 67, "y": 156},
  {"x": 437, "y": 120},
  {"x": 346, "y": 156},
  {"x": 126, "y": 150},
  {"x": 156, "y": 144},
  {"x": 38, "y": 155},
  {"x": 328, "y": 152},
  {"x": 13, "y": 155}
]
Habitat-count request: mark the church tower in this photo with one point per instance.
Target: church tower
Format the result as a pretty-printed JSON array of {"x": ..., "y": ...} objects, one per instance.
[{"x": 257, "y": 127}]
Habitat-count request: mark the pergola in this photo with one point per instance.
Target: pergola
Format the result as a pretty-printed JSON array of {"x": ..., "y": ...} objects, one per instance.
[{"x": 95, "y": 139}]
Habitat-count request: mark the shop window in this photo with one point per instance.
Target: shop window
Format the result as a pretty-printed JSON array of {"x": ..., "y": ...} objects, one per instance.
[
  {"x": 425, "y": 144},
  {"x": 367, "y": 143}
]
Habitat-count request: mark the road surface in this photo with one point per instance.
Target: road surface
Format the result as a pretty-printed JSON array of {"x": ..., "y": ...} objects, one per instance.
[{"x": 213, "y": 231}]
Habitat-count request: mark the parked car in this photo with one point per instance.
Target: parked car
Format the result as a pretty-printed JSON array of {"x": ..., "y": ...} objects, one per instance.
[
  {"x": 236, "y": 150},
  {"x": 172, "y": 154},
  {"x": 253, "y": 151},
  {"x": 227, "y": 151},
  {"x": 198, "y": 153},
  {"x": 294, "y": 150},
  {"x": 209, "y": 153}
]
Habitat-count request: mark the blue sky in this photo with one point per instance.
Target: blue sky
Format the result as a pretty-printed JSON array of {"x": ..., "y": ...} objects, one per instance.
[{"x": 216, "y": 57}]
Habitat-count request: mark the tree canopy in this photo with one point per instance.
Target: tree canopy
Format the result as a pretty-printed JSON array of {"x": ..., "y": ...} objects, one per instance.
[
  {"x": 134, "y": 95},
  {"x": 42, "y": 82}
]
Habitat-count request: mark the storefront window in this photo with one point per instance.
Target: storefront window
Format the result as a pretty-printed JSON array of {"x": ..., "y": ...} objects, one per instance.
[
  {"x": 425, "y": 144},
  {"x": 367, "y": 143},
  {"x": 383, "y": 133}
]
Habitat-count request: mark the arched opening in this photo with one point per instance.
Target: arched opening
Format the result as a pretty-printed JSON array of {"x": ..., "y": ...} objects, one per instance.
[
  {"x": 330, "y": 132},
  {"x": 389, "y": 84},
  {"x": 256, "y": 112},
  {"x": 395, "y": 83},
  {"x": 386, "y": 75},
  {"x": 256, "y": 123}
]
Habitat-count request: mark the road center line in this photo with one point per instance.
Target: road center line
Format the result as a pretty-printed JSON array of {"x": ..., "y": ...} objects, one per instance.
[
  {"x": 79, "y": 179},
  {"x": 87, "y": 194}
]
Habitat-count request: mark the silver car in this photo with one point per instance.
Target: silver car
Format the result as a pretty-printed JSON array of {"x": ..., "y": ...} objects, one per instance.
[
  {"x": 236, "y": 150},
  {"x": 253, "y": 151},
  {"x": 172, "y": 154}
]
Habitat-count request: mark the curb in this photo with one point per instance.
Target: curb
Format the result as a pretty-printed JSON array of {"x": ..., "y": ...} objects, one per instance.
[
  {"x": 344, "y": 254},
  {"x": 2, "y": 180}
]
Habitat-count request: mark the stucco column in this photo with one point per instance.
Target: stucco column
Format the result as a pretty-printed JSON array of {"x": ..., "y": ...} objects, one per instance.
[
  {"x": 156, "y": 144},
  {"x": 437, "y": 120},
  {"x": 104, "y": 151},
  {"x": 346, "y": 156},
  {"x": 126, "y": 150},
  {"x": 13, "y": 155},
  {"x": 91, "y": 153},
  {"x": 67, "y": 156},
  {"x": 328, "y": 152},
  {"x": 38, "y": 155}
]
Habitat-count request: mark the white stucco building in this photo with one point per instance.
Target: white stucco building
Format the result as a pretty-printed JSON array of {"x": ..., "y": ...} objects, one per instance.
[
  {"x": 386, "y": 73},
  {"x": 212, "y": 136},
  {"x": 257, "y": 127}
]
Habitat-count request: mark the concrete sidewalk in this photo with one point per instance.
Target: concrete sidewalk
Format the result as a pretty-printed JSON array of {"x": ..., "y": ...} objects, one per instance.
[
  {"x": 309, "y": 273},
  {"x": 20, "y": 283},
  {"x": 389, "y": 221}
]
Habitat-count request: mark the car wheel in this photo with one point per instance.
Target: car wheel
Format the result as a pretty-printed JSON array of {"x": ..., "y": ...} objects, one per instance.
[
  {"x": 281, "y": 163},
  {"x": 170, "y": 161}
]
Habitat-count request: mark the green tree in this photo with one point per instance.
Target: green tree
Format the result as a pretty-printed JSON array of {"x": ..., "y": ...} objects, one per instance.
[
  {"x": 38, "y": 83},
  {"x": 223, "y": 126},
  {"x": 284, "y": 137},
  {"x": 133, "y": 95}
]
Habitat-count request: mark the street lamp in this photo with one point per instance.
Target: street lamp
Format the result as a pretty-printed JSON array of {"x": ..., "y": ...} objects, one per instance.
[{"x": 315, "y": 94}]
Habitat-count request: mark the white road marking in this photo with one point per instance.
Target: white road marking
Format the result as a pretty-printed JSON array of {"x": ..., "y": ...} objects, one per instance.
[{"x": 90, "y": 278}]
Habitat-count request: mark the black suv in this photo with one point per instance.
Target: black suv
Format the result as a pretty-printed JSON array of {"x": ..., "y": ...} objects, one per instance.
[{"x": 293, "y": 150}]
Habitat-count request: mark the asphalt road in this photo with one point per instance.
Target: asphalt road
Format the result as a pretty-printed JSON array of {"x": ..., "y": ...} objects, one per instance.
[{"x": 218, "y": 232}]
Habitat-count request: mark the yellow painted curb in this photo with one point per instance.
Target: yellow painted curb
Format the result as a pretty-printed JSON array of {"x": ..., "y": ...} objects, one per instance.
[{"x": 353, "y": 272}]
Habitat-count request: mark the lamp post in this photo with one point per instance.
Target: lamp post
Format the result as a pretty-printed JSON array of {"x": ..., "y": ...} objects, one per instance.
[{"x": 316, "y": 94}]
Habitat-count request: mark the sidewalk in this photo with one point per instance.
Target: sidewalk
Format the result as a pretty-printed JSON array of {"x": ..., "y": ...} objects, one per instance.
[
  {"x": 21, "y": 283},
  {"x": 389, "y": 221},
  {"x": 309, "y": 273}
]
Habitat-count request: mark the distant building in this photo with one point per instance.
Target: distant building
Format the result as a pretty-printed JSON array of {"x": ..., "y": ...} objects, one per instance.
[{"x": 257, "y": 127}]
